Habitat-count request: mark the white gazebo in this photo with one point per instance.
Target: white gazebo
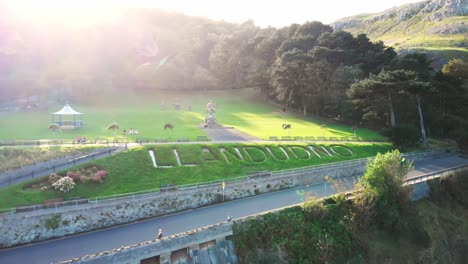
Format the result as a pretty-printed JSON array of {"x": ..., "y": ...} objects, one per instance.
[{"x": 63, "y": 120}]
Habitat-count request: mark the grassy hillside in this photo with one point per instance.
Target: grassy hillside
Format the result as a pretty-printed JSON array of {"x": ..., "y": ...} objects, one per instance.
[
  {"x": 133, "y": 171},
  {"x": 436, "y": 28}
]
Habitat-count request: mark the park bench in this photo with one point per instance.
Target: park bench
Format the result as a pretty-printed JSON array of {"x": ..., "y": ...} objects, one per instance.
[
  {"x": 297, "y": 138},
  {"x": 142, "y": 140},
  {"x": 285, "y": 138},
  {"x": 322, "y": 138},
  {"x": 161, "y": 140},
  {"x": 121, "y": 140},
  {"x": 183, "y": 140},
  {"x": 310, "y": 138},
  {"x": 273, "y": 138},
  {"x": 102, "y": 141}
]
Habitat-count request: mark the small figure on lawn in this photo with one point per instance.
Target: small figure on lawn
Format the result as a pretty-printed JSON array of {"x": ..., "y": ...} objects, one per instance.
[
  {"x": 160, "y": 234},
  {"x": 168, "y": 126}
]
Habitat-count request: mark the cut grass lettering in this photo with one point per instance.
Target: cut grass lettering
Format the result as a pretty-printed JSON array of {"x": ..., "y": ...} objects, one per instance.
[{"x": 251, "y": 154}]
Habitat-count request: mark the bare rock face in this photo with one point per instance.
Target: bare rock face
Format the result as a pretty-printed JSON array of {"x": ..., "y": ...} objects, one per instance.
[
  {"x": 440, "y": 9},
  {"x": 432, "y": 10},
  {"x": 448, "y": 29}
]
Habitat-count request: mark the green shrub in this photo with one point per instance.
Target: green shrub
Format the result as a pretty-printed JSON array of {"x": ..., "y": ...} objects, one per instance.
[
  {"x": 382, "y": 189},
  {"x": 314, "y": 209}
]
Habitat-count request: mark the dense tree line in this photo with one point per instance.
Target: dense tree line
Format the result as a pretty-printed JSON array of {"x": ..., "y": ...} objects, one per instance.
[{"x": 310, "y": 68}]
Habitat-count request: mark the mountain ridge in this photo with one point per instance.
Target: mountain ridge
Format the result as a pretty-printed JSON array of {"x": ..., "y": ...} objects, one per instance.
[{"x": 434, "y": 26}]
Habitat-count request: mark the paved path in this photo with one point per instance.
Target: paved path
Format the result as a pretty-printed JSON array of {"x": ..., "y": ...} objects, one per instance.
[
  {"x": 75, "y": 246},
  {"x": 228, "y": 134}
]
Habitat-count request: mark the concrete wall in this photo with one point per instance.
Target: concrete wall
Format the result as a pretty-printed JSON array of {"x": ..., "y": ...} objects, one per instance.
[
  {"x": 22, "y": 228},
  {"x": 164, "y": 247}
]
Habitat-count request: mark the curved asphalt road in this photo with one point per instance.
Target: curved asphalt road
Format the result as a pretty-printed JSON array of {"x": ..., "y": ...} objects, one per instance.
[{"x": 88, "y": 243}]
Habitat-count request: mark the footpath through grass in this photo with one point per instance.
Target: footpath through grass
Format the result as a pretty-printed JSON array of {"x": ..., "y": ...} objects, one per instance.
[{"x": 133, "y": 171}]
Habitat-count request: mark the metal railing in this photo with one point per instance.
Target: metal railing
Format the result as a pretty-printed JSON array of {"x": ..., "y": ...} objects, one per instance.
[{"x": 435, "y": 174}]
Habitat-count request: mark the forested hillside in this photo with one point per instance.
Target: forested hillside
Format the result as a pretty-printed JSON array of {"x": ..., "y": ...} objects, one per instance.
[{"x": 309, "y": 68}]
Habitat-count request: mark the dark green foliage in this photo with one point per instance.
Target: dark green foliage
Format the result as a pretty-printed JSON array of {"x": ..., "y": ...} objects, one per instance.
[
  {"x": 404, "y": 136},
  {"x": 326, "y": 231},
  {"x": 450, "y": 189},
  {"x": 382, "y": 189},
  {"x": 304, "y": 236}
]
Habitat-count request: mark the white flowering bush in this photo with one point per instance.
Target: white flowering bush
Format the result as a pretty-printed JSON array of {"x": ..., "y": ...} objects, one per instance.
[
  {"x": 65, "y": 184},
  {"x": 54, "y": 177}
]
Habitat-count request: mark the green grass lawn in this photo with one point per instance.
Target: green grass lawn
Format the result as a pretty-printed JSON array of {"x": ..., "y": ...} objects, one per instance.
[
  {"x": 133, "y": 171},
  {"x": 239, "y": 109}
]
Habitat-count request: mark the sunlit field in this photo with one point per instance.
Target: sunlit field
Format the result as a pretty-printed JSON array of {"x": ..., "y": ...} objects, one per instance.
[{"x": 239, "y": 109}]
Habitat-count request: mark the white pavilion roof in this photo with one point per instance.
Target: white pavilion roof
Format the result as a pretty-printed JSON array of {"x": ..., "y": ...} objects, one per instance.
[{"x": 67, "y": 110}]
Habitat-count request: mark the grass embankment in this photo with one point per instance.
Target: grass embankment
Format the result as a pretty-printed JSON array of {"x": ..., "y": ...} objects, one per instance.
[
  {"x": 434, "y": 230},
  {"x": 240, "y": 108},
  {"x": 16, "y": 157},
  {"x": 133, "y": 171}
]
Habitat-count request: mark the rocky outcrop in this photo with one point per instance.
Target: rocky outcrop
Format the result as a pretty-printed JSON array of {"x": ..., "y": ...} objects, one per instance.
[
  {"x": 433, "y": 10},
  {"x": 450, "y": 28}
]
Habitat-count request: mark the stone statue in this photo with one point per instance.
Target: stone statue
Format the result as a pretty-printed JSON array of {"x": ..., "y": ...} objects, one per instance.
[{"x": 210, "y": 113}]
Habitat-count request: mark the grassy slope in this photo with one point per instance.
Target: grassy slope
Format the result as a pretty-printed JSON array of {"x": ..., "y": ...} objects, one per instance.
[
  {"x": 235, "y": 108},
  {"x": 414, "y": 34},
  {"x": 133, "y": 170},
  {"x": 16, "y": 157}
]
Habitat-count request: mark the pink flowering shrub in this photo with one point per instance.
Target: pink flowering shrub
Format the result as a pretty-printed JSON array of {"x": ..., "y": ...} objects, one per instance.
[
  {"x": 65, "y": 184},
  {"x": 96, "y": 179},
  {"x": 101, "y": 173},
  {"x": 76, "y": 176},
  {"x": 99, "y": 176},
  {"x": 84, "y": 175}
]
